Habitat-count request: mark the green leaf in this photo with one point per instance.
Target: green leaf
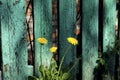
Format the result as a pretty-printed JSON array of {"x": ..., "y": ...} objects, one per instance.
[
  {"x": 53, "y": 63},
  {"x": 41, "y": 68},
  {"x": 41, "y": 78},
  {"x": 47, "y": 73},
  {"x": 65, "y": 76},
  {"x": 101, "y": 60}
]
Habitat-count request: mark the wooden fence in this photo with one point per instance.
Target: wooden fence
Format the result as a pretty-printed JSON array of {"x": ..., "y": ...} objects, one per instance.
[{"x": 98, "y": 22}]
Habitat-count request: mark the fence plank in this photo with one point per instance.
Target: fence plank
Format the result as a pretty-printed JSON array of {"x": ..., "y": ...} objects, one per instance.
[
  {"x": 0, "y": 41},
  {"x": 0, "y": 46},
  {"x": 67, "y": 20},
  {"x": 109, "y": 20},
  {"x": 118, "y": 62},
  {"x": 13, "y": 32},
  {"x": 43, "y": 28},
  {"x": 89, "y": 38}
]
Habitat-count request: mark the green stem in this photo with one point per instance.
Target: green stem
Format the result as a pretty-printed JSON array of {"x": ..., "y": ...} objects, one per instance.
[
  {"x": 61, "y": 62},
  {"x": 74, "y": 65},
  {"x": 41, "y": 61},
  {"x": 41, "y": 54}
]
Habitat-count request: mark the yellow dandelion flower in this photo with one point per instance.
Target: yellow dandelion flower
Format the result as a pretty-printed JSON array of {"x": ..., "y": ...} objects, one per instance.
[
  {"x": 72, "y": 40},
  {"x": 43, "y": 40},
  {"x": 53, "y": 49}
]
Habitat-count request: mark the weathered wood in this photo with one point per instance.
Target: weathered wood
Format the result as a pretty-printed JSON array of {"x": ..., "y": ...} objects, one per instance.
[
  {"x": 118, "y": 8},
  {"x": 67, "y": 20},
  {"x": 0, "y": 75},
  {"x": 89, "y": 38},
  {"x": 109, "y": 19},
  {"x": 13, "y": 33},
  {"x": 0, "y": 41},
  {"x": 118, "y": 56},
  {"x": 43, "y": 28},
  {"x": 0, "y": 46},
  {"x": 30, "y": 70}
]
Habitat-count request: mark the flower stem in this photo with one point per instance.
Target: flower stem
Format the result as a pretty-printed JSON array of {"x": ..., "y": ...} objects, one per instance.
[
  {"x": 61, "y": 62},
  {"x": 41, "y": 54},
  {"x": 74, "y": 65}
]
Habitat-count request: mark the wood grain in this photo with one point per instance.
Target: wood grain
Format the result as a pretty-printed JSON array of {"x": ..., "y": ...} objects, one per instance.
[
  {"x": 67, "y": 21},
  {"x": 13, "y": 33},
  {"x": 109, "y": 22},
  {"x": 42, "y": 28},
  {"x": 89, "y": 38}
]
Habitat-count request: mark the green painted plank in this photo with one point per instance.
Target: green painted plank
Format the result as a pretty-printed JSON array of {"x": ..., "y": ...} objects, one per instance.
[
  {"x": 109, "y": 20},
  {"x": 13, "y": 33},
  {"x": 0, "y": 40},
  {"x": 118, "y": 65},
  {"x": 89, "y": 38},
  {"x": 43, "y": 28},
  {"x": 67, "y": 20},
  {"x": 29, "y": 70},
  {"x": 0, "y": 46},
  {"x": 118, "y": 6}
]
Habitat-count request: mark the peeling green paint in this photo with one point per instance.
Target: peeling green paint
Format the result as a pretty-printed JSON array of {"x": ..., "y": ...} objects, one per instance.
[
  {"x": 43, "y": 28},
  {"x": 67, "y": 21},
  {"x": 109, "y": 21},
  {"x": 89, "y": 38},
  {"x": 13, "y": 33}
]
